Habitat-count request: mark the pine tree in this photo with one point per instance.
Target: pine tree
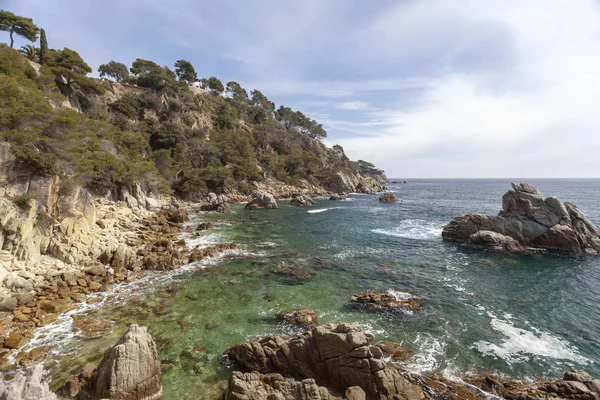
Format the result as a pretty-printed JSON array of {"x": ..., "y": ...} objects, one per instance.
[{"x": 43, "y": 47}]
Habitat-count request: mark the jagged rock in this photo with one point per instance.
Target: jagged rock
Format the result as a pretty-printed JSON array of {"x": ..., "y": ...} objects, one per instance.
[
  {"x": 130, "y": 370},
  {"x": 337, "y": 357},
  {"x": 574, "y": 385},
  {"x": 217, "y": 203},
  {"x": 272, "y": 387},
  {"x": 342, "y": 183},
  {"x": 261, "y": 199},
  {"x": 384, "y": 301},
  {"x": 395, "y": 351},
  {"x": 205, "y": 226},
  {"x": 337, "y": 197},
  {"x": 27, "y": 386},
  {"x": 530, "y": 220},
  {"x": 388, "y": 197},
  {"x": 305, "y": 318},
  {"x": 369, "y": 185},
  {"x": 355, "y": 393},
  {"x": 178, "y": 216},
  {"x": 302, "y": 200},
  {"x": 8, "y": 304}
]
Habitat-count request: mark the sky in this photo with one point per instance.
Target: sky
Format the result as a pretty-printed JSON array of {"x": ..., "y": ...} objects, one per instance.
[{"x": 421, "y": 88}]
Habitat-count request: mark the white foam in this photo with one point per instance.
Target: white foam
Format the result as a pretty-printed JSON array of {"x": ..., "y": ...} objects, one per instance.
[
  {"x": 401, "y": 295},
  {"x": 320, "y": 210},
  {"x": 427, "y": 356},
  {"x": 520, "y": 345},
  {"x": 413, "y": 229}
]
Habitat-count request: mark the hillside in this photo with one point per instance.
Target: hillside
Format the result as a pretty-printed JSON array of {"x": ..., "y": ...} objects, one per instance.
[{"x": 157, "y": 135}]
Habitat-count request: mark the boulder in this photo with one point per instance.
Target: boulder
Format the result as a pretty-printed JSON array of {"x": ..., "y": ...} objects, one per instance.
[
  {"x": 527, "y": 219},
  {"x": 336, "y": 357},
  {"x": 261, "y": 199},
  {"x": 178, "y": 216},
  {"x": 302, "y": 200},
  {"x": 217, "y": 203},
  {"x": 383, "y": 301},
  {"x": 304, "y": 318},
  {"x": 342, "y": 183},
  {"x": 273, "y": 386},
  {"x": 28, "y": 385},
  {"x": 388, "y": 197},
  {"x": 337, "y": 197},
  {"x": 130, "y": 370}
]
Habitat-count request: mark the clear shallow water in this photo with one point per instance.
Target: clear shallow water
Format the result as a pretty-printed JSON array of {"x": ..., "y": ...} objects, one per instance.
[{"x": 510, "y": 315}]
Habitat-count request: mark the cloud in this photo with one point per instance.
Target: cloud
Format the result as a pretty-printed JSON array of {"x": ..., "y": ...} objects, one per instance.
[{"x": 353, "y": 105}]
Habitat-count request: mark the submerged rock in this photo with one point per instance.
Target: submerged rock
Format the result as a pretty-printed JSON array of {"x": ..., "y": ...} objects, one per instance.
[
  {"x": 337, "y": 357},
  {"x": 27, "y": 386},
  {"x": 261, "y": 199},
  {"x": 305, "y": 318},
  {"x": 383, "y": 301},
  {"x": 130, "y": 370},
  {"x": 388, "y": 197},
  {"x": 527, "y": 219}
]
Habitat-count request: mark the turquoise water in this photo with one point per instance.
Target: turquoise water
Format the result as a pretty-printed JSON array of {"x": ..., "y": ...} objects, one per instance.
[{"x": 505, "y": 314}]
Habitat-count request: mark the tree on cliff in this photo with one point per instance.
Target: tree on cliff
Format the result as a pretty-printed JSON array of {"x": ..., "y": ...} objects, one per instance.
[
  {"x": 43, "y": 47},
  {"x": 116, "y": 70},
  {"x": 30, "y": 52},
  {"x": 20, "y": 25},
  {"x": 151, "y": 75},
  {"x": 69, "y": 64},
  {"x": 185, "y": 71},
  {"x": 215, "y": 85},
  {"x": 237, "y": 92}
]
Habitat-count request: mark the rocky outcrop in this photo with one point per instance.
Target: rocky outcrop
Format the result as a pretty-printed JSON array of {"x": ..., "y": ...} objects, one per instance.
[
  {"x": 337, "y": 197},
  {"x": 574, "y": 385},
  {"x": 354, "y": 183},
  {"x": 336, "y": 357},
  {"x": 28, "y": 385},
  {"x": 261, "y": 199},
  {"x": 527, "y": 220},
  {"x": 388, "y": 197},
  {"x": 305, "y": 317},
  {"x": 217, "y": 203},
  {"x": 369, "y": 185},
  {"x": 130, "y": 370},
  {"x": 384, "y": 301},
  {"x": 273, "y": 386},
  {"x": 301, "y": 200}
]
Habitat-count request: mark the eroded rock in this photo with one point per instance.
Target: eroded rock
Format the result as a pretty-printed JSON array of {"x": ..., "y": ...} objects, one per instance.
[{"x": 261, "y": 200}]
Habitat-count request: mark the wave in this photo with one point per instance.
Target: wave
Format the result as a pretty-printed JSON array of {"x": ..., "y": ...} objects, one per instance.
[
  {"x": 417, "y": 229},
  {"x": 320, "y": 210},
  {"x": 520, "y": 345},
  {"x": 427, "y": 357}
]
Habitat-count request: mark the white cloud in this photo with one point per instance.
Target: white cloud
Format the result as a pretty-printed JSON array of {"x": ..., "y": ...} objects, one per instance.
[{"x": 354, "y": 105}]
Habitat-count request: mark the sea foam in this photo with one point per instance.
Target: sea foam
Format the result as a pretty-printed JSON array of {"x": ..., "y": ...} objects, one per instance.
[{"x": 417, "y": 229}]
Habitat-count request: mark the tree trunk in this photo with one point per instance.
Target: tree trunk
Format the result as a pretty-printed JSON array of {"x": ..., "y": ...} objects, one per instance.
[{"x": 12, "y": 41}]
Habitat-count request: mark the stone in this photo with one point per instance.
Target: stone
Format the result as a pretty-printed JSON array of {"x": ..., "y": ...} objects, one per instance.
[
  {"x": 337, "y": 197},
  {"x": 8, "y": 304},
  {"x": 91, "y": 327},
  {"x": 28, "y": 385},
  {"x": 246, "y": 386},
  {"x": 383, "y": 301},
  {"x": 336, "y": 357},
  {"x": 302, "y": 200},
  {"x": 217, "y": 203},
  {"x": 178, "y": 216},
  {"x": 395, "y": 351},
  {"x": 388, "y": 197},
  {"x": 130, "y": 370},
  {"x": 205, "y": 226},
  {"x": 16, "y": 340},
  {"x": 530, "y": 220},
  {"x": 304, "y": 318},
  {"x": 261, "y": 200},
  {"x": 355, "y": 393}
]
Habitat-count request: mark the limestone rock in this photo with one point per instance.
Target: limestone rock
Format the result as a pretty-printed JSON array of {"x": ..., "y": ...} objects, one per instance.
[
  {"x": 130, "y": 370},
  {"x": 530, "y": 220},
  {"x": 262, "y": 199},
  {"x": 27, "y": 386},
  {"x": 388, "y": 197},
  {"x": 337, "y": 357}
]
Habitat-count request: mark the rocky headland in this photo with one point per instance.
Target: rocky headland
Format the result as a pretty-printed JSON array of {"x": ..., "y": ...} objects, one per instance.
[{"x": 527, "y": 220}]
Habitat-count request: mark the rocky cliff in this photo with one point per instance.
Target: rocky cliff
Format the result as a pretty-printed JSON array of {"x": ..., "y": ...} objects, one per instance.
[{"x": 527, "y": 219}]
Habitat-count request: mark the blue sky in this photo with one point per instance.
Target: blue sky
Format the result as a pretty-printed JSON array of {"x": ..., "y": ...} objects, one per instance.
[{"x": 422, "y": 88}]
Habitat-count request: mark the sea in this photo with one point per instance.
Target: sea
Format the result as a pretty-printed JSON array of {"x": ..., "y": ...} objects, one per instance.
[{"x": 525, "y": 316}]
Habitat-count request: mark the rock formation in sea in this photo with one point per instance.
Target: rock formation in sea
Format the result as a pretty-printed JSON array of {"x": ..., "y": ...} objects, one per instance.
[
  {"x": 383, "y": 301},
  {"x": 27, "y": 385},
  {"x": 355, "y": 183},
  {"x": 338, "y": 197},
  {"x": 217, "y": 203},
  {"x": 388, "y": 197},
  {"x": 305, "y": 317},
  {"x": 261, "y": 199},
  {"x": 301, "y": 200},
  {"x": 527, "y": 219},
  {"x": 336, "y": 357}
]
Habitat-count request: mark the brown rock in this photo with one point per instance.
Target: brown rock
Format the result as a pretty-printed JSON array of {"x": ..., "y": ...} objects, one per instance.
[
  {"x": 383, "y": 301},
  {"x": 355, "y": 393},
  {"x": 91, "y": 327},
  {"x": 305, "y": 318},
  {"x": 16, "y": 340},
  {"x": 395, "y": 351},
  {"x": 388, "y": 197},
  {"x": 273, "y": 386}
]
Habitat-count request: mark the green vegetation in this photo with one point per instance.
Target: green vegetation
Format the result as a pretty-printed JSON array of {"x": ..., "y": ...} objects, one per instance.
[
  {"x": 15, "y": 24},
  {"x": 115, "y": 70},
  {"x": 30, "y": 52},
  {"x": 156, "y": 131}
]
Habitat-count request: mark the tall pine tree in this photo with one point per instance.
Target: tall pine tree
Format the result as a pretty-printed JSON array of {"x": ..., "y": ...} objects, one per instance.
[{"x": 43, "y": 47}]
